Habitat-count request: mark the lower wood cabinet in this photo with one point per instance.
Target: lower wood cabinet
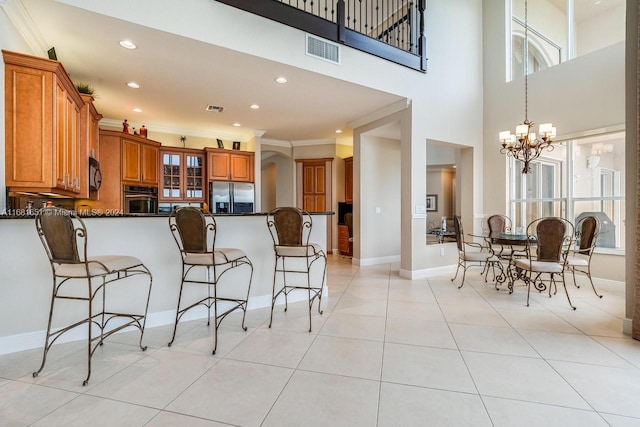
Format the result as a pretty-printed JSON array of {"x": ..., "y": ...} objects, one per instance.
[{"x": 344, "y": 245}]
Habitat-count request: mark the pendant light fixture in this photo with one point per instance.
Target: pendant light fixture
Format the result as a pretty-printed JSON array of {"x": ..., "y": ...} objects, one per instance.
[{"x": 523, "y": 144}]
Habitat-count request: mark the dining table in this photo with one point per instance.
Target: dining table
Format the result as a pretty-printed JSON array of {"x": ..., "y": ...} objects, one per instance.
[{"x": 507, "y": 246}]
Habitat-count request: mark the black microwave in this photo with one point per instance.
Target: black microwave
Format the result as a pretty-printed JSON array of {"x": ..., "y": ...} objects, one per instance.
[{"x": 95, "y": 176}]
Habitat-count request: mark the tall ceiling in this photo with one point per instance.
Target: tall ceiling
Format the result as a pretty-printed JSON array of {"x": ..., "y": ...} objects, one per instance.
[{"x": 179, "y": 77}]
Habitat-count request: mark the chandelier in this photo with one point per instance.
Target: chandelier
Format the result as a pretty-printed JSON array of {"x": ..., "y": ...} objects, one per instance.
[{"x": 523, "y": 145}]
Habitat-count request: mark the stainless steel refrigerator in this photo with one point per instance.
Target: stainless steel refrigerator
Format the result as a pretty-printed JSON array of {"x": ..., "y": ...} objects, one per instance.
[{"x": 231, "y": 197}]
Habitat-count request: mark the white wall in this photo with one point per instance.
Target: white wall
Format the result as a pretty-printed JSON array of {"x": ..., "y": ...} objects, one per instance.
[
  {"x": 269, "y": 186},
  {"x": 380, "y": 232},
  {"x": 283, "y": 185},
  {"x": 604, "y": 29}
]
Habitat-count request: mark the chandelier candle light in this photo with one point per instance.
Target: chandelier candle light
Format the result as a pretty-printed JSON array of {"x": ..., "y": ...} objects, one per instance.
[{"x": 523, "y": 145}]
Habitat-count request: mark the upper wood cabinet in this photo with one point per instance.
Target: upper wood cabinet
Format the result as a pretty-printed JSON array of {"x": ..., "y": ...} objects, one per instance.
[
  {"x": 139, "y": 161},
  {"x": 89, "y": 132},
  {"x": 44, "y": 148},
  {"x": 242, "y": 166},
  {"x": 348, "y": 180},
  {"x": 230, "y": 165},
  {"x": 182, "y": 175},
  {"x": 218, "y": 164}
]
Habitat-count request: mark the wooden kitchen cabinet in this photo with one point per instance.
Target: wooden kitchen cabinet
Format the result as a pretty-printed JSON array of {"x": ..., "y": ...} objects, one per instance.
[
  {"x": 344, "y": 245},
  {"x": 89, "y": 132},
  {"x": 218, "y": 165},
  {"x": 230, "y": 165},
  {"x": 182, "y": 175},
  {"x": 139, "y": 161},
  {"x": 348, "y": 180},
  {"x": 44, "y": 150}
]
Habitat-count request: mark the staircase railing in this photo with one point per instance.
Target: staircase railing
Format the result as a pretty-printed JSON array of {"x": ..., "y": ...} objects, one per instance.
[{"x": 390, "y": 29}]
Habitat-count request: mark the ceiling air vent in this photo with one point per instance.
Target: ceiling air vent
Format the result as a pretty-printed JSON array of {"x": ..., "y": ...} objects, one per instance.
[
  {"x": 323, "y": 49},
  {"x": 214, "y": 108}
]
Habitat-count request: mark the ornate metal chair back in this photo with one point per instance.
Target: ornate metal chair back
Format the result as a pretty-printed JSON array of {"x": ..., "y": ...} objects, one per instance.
[
  {"x": 190, "y": 227},
  {"x": 292, "y": 226},
  {"x": 498, "y": 224},
  {"x": 457, "y": 226},
  {"x": 587, "y": 234},
  {"x": 551, "y": 238},
  {"x": 59, "y": 235}
]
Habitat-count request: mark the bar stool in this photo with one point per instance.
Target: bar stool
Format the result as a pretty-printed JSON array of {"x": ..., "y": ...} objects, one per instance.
[
  {"x": 290, "y": 229},
  {"x": 64, "y": 237},
  {"x": 195, "y": 234}
]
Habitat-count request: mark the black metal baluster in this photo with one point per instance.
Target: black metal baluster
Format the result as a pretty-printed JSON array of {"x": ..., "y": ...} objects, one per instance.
[{"x": 378, "y": 11}]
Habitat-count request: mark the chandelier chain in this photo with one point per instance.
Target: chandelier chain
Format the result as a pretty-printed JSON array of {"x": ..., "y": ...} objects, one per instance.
[
  {"x": 524, "y": 145},
  {"x": 525, "y": 51}
]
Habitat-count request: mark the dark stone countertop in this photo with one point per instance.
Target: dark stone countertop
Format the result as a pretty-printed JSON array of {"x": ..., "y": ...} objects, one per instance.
[{"x": 22, "y": 214}]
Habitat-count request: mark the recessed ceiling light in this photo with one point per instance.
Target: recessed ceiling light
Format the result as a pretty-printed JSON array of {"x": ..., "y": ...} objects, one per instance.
[
  {"x": 137, "y": 110},
  {"x": 254, "y": 106},
  {"x": 338, "y": 130},
  {"x": 597, "y": 2},
  {"x": 133, "y": 85},
  {"x": 236, "y": 124},
  {"x": 281, "y": 80},
  {"x": 127, "y": 44}
]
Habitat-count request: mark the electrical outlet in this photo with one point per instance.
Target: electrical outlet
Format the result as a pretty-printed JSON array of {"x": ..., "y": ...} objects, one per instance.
[
  {"x": 378, "y": 210},
  {"x": 441, "y": 251}
]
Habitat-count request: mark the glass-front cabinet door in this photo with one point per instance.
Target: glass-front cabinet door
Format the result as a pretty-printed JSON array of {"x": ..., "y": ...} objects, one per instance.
[
  {"x": 182, "y": 176},
  {"x": 171, "y": 163},
  {"x": 194, "y": 177}
]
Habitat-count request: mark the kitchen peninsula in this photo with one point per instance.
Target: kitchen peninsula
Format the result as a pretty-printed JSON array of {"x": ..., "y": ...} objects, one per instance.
[
  {"x": 54, "y": 151},
  {"x": 26, "y": 273}
]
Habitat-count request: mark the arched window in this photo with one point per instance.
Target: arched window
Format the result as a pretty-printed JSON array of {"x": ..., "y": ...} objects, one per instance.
[{"x": 537, "y": 59}]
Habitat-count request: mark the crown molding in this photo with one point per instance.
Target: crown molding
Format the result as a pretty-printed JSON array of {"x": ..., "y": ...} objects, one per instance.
[
  {"x": 276, "y": 143},
  {"x": 307, "y": 142},
  {"x": 384, "y": 112},
  {"x": 18, "y": 15},
  {"x": 179, "y": 131}
]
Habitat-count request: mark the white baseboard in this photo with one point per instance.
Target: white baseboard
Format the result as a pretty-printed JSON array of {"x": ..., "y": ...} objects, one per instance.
[
  {"x": 427, "y": 272},
  {"x": 35, "y": 339},
  {"x": 376, "y": 261}
]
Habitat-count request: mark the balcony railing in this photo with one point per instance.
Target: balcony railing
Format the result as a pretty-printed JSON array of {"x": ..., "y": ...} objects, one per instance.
[{"x": 389, "y": 29}]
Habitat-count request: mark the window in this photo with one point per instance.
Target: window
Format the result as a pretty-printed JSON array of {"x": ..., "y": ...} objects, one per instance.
[
  {"x": 560, "y": 30},
  {"x": 579, "y": 177}
]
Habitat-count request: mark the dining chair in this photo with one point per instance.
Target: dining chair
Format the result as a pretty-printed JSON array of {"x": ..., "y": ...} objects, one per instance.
[
  {"x": 579, "y": 259},
  {"x": 476, "y": 257},
  {"x": 290, "y": 229},
  {"x": 549, "y": 240},
  {"x": 65, "y": 239},
  {"x": 496, "y": 224},
  {"x": 205, "y": 264}
]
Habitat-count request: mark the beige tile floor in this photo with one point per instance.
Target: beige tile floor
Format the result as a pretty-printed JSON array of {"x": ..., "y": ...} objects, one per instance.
[{"x": 386, "y": 352}]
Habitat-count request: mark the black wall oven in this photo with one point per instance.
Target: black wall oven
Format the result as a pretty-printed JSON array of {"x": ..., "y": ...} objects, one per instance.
[{"x": 140, "y": 200}]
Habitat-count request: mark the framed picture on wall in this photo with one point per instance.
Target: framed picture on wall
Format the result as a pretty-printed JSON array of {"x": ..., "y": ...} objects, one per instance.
[
  {"x": 236, "y": 145},
  {"x": 220, "y": 144},
  {"x": 432, "y": 202}
]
